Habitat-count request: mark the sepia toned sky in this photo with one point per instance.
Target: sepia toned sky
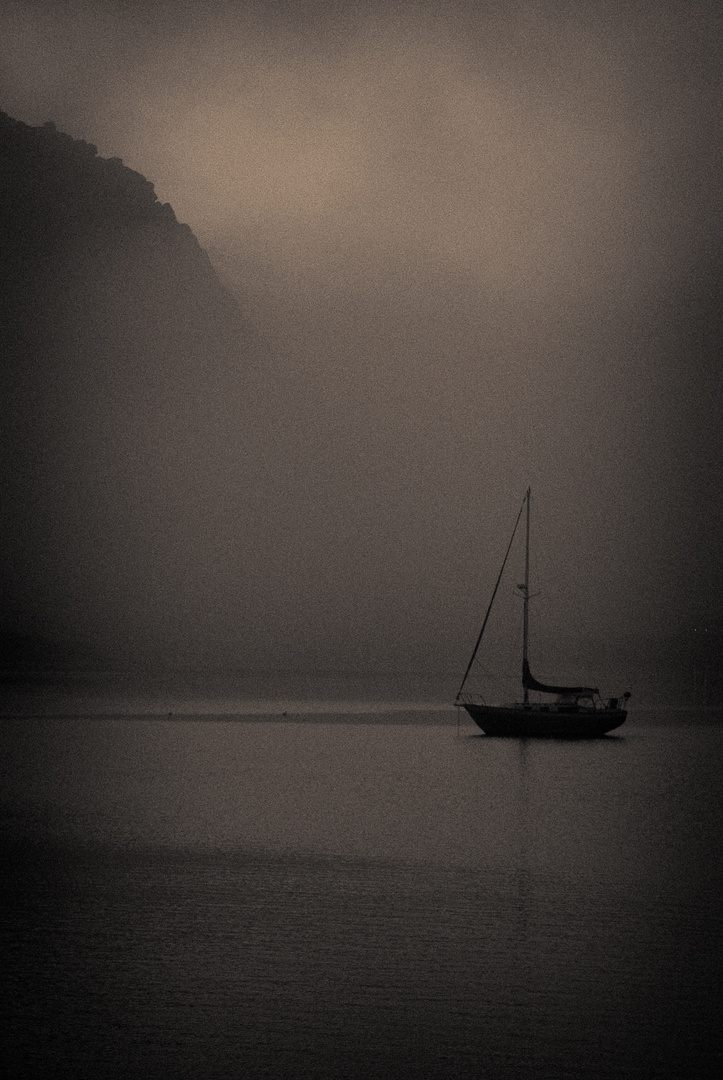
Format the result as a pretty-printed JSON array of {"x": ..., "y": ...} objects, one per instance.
[{"x": 484, "y": 243}]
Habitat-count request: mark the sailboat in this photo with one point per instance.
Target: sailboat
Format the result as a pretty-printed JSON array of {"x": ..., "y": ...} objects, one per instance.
[{"x": 567, "y": 712}]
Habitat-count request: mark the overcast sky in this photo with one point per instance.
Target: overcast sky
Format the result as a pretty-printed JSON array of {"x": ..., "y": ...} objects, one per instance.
[{"x": 483, "y": 241}]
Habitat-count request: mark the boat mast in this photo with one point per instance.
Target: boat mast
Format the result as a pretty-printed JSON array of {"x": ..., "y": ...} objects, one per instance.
[{"x": 526, "y": 598}]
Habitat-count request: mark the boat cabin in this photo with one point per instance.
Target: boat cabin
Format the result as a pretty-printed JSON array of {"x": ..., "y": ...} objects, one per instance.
[{"x": 570, "y": 702}]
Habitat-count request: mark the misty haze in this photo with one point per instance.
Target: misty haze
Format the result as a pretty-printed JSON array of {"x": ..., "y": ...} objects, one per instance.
[
  {"x": 297, "y": 301},
  {"x": 453, "y": 256}
]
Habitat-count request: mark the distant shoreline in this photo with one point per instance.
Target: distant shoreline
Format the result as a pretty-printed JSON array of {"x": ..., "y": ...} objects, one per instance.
[
  {"x": 420, "y": 715},
  {"x": 423, "y": 716}
]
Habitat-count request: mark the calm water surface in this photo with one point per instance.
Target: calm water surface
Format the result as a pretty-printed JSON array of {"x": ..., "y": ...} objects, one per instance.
[{"x": 223, "y": 898}]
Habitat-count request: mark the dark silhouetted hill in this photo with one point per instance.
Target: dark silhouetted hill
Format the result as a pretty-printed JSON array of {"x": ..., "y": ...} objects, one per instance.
[{"x": 123, "y": 362}]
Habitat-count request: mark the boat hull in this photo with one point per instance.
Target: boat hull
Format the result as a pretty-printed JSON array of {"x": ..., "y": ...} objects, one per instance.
[{"x": 538, "y": 723}]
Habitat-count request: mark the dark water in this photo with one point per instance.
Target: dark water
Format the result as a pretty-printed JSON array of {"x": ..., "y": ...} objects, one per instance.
[{"x": 220, "y": 899}]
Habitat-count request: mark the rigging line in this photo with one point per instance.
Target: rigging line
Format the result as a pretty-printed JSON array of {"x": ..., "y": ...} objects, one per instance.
[{"x": 494, "y": 594}]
